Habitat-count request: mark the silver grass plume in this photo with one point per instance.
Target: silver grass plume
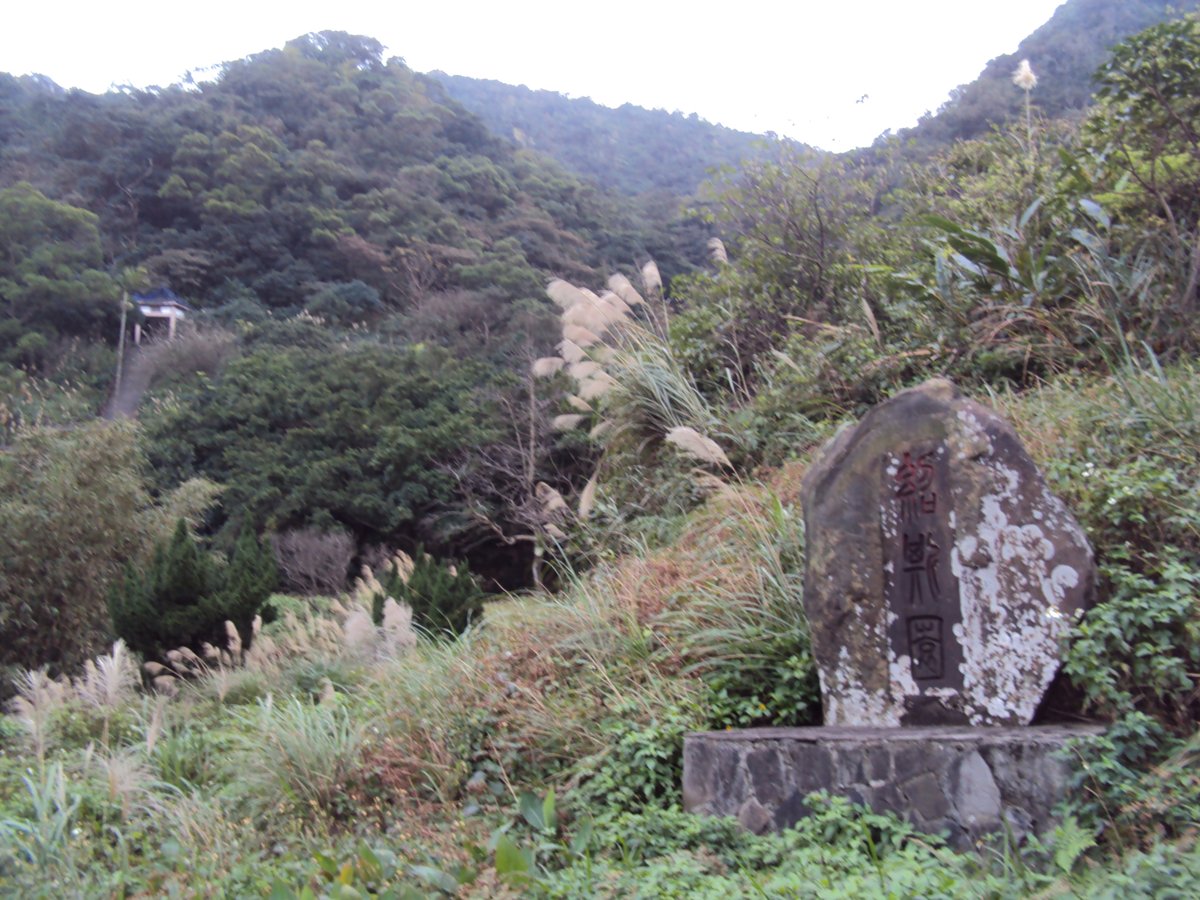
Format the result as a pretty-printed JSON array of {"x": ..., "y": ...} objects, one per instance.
[
  {"x": 1024, "y": 77},
  {"x": 578, "y": 404},
  {"x": 651, "y": 279},
  {"x": 571, "y": 351},
  {"x": 872, "y": 323},
  {"x": 233, "y": 640},
  {"x": 621, "y": 286},
  {"x": 566, "y": 421},
  {"x": 564, "y": 294},
  {"x": 595, "y": 316},
  {"x": 614, "y": 307},
  {"x": 581, "y": 370},
  {"x": 108, "y": 680},
  {"x": 128, "y": 780},
  {"x": 716, "y": 251},
  {"x": 154, "y": 724},
  {"x": 38, "y": 695},
  {"x": 580, "y": 335},
  {"x": 597, "y": 386},
  {"x": 365, "y": 587},
  {"x": 398, "y": 632},
  {"x": 587, "y": 499},
  {"x": 712, "y": 484},
  {"x": 358, "y": 631},
  {"x": 551, "y": 500},
  {"x": 547, "y": 366},
  {"x": 328, "y": 694},
  {"x": 697, "y": 446},
  {"x": 600, "y": 429},
  {"x": 402, "y": 564}
]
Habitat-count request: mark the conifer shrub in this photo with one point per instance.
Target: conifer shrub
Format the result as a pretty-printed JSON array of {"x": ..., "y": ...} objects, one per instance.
[
  {"x": 444, "y": 597},
  {"x": 185, "y": 595}
]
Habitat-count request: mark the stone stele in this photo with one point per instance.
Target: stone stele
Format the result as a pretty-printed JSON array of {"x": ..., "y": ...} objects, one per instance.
[{"x": 942, "y": 573}]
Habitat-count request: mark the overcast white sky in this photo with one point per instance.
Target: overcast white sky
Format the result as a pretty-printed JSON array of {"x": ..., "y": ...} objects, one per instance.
[{"x": 834, "y": 73}]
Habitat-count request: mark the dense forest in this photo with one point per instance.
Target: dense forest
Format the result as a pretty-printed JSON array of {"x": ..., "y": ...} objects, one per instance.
[
  {"x": 471, "y": 482},
  {"x": 630, "y": 149}
]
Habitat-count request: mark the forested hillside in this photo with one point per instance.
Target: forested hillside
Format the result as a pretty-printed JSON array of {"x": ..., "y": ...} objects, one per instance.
[
  {"x": 630, "y": 149},
  {"x": 334, "y": 213},
  {"x": 315, "y": 177},
  {"x": 634, "y": 150},
  {"x": 1065, "y": 53}
]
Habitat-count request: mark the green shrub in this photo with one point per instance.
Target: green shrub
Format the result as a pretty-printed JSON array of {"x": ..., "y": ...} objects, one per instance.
[
  {"x": 444, "y": 597},
  {"x": 643, "y": 764},
  {"x": 841, "y": 850},
  {"x": 1140, "y": 649},
  {"x": 184, "y": 598},
  {"x": 74, "y": 509}
]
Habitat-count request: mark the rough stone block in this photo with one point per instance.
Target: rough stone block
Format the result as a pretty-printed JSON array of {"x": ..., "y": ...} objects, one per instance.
[
  {"x": 942, "y": 574},
  {"x": 976, "y": 797},
  {"x": 960, "y": 781},
  {"x": 926, "y": 797}
]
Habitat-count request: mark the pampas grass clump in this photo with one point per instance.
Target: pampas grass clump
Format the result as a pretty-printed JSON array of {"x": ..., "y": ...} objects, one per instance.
[
  {"x": 301, "y": 754},
  {"x": 38, "y": 696}
]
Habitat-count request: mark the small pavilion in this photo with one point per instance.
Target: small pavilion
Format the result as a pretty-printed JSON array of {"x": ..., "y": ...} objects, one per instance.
[{"x": 161, "y": 310}]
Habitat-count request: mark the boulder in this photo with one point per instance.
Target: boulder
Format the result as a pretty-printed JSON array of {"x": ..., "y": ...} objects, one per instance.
[{"x": 942, "y": 574}]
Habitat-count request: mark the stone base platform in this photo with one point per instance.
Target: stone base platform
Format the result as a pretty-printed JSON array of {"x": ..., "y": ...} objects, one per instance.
[{"x": 960, "y": 781}]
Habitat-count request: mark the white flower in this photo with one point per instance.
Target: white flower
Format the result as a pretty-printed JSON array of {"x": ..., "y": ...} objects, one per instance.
[{"x": 1023, "y": 77}]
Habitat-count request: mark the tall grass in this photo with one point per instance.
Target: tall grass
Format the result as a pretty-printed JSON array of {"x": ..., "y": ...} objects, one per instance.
[
  {"x": 300, "y": 757},
  {"x": 107, "y": 683},
  {"x": 38, "y": 696}
]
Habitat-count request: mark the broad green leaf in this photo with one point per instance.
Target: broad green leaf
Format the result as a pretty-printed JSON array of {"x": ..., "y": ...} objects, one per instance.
[
  {"x": 549, "y": 813},
  {"x": 531, "y": 811},
  {"x": 436, "y": 877},
  {"x": 1030, "y": 212},
  {"x": 327, "y": 863},
  {"x": 369, "y": 865},
  {"x": 583, "y": 837},
  {"x": 1095, "y": 212},
  {"x": 511, "y": 861}
]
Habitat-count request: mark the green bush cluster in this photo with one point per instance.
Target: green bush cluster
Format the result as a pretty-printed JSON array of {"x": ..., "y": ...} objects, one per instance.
[
  {"x": 75, "y": 508},
  {"x": 445, "y": 598},
  {"x": 184, "y": 597}
]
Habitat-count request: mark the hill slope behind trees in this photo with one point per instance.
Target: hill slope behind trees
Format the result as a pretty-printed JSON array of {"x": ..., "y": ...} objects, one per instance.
[
  {"x": 628, "y": 149},
  {"x": 1065, "y": 53}
]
